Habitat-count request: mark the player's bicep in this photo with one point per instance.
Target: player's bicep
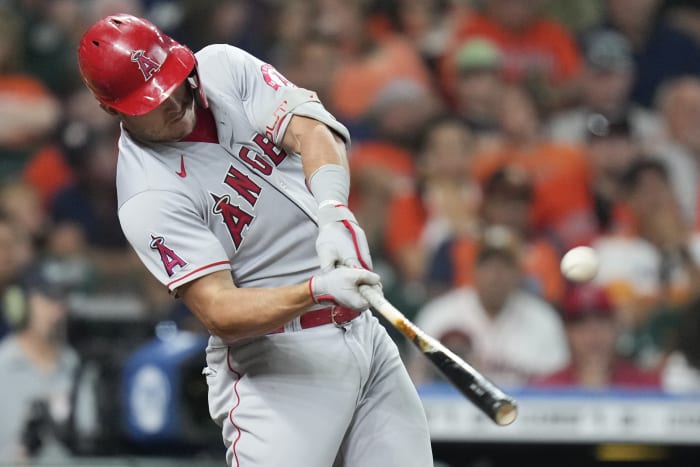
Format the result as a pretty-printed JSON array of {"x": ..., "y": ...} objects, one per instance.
[
  {"x": 310, "y": 133},
  {"x": 171, "y": 238}
]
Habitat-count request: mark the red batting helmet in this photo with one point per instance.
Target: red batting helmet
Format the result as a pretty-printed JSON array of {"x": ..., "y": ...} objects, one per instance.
[{"x": 130, "y": 65}]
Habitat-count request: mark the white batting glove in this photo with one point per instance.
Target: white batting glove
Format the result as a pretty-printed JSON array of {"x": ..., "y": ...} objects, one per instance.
[
  {"x": 340, "y": 287},
  {"x": 341, "y": 241}
]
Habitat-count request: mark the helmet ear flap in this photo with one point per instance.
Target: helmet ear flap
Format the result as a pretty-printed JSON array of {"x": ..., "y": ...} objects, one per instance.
[{"x": 15, "y": 307}]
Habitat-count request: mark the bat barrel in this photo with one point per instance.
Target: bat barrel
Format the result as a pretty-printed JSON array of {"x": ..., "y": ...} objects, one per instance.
[
  {"x": 505, "y": 412},
  {"x": 485, "y": 395}
]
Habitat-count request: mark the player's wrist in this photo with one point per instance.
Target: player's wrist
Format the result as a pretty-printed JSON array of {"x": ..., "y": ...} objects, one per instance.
[
  {"x": 330, "y": 185},
  {"x": 311, "y": 289},
  {"x": 330, "y": 213},
  {"x": 317, "y": 290}
]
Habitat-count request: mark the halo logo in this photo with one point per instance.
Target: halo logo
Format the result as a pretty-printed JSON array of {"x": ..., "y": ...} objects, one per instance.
[{"x": 146, "y": 64}]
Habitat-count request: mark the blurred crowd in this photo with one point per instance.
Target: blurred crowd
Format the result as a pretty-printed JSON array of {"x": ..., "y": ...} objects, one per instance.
[{"x": 489, "y": 137}]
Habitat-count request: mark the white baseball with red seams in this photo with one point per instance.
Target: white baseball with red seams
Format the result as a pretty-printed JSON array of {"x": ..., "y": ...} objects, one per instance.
[
  {"x": 320, "y": 396},
  {"x": 580, "y": 264}
]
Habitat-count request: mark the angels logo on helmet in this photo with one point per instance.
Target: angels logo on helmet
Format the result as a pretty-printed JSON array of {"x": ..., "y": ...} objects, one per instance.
[{"x": 146, "y": 64}]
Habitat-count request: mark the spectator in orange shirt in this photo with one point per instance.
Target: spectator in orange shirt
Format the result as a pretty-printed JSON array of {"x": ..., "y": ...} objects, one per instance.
[
  {"x": 383, "y": 166},
  {"x": 507, "y": 201},
  {"x": 28, "y": 110},
  {"x": 444, "y": 199},
  {"x": 560, "y": 173},
  {"x": 371, "y": 56},
  {"x": 591, "y": 331},
  {"x": 538, "y": 52},
  {"x": 48, "y": 170}
]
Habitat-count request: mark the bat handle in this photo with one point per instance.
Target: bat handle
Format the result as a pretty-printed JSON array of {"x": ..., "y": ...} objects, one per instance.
[{"x": 374, "y": 296}]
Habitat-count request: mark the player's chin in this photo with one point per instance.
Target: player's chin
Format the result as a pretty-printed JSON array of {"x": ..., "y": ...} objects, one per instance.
[{"x": 180, "y": 128}]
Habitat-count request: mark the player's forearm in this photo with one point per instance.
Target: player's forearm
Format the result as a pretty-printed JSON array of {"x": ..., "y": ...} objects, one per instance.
[
  {"x": 320, "y": 147},
  {"x": 235, "y": 313},
  {"x": 249, "y": 312}
]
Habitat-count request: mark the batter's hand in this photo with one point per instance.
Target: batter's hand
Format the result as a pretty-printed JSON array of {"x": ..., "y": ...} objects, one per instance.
[
  {"x": 341, "y": 241},
  {"x": 340, "y": 287}
]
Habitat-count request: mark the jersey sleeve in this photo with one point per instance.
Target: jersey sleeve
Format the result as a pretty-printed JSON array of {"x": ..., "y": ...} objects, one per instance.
[
  {"x": 269, "y": 99},
  {"x": 171, "y": 238}
]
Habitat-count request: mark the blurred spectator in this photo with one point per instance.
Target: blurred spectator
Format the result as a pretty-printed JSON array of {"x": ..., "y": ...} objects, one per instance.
[
  {"x": 371, "y": 54},
  {"x": 591, "y": 332},
  {"x": 443, "y": 200},
  {"x": 91, "y": 200},
  {"x": 21, "y": 205},
  {"x": 659, "y": 221},
  {"x": 429, "y": 24},
  {"x": 37, "y": 365},
  {"x": 660, "y": 50},
  {"x": 678, "y": 102},
  {"x": 95, "y": 9},
  {"x": 575, "y": 15},
  {"x": 562, "y": 206},
  {"x": 310, "y": 63},
  {"x": 16, "y": 251},
  {"x": 507, "y": 201},
  {"x": 684, "y": 15},
  {"x": 28, "y": 110},
  {"x": 86, "y": 229},
  {"x": 606, "y": 83},
  {"x": 653, "y": 271},
  {"x": 506, "y": 333},
  {"x": 539, "y": 52},
  {"x": 292, "y": 31},
  {"x": 232, "y": 22},
  {"x": 681, "y": 370},
  {"x": 383, "y": 165},
  {"x": 380, "y": 173},
  {"x": 400, "y": 111},
  {"x": 50, "y": 40},
  {"x": 478, "y": 88},
  {"x": 49, "y": 169},
  {"x": 611, "y": 149}
]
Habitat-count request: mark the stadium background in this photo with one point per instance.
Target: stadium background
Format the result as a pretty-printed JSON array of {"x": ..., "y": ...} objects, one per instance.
[{"x": 511, "y": 129}]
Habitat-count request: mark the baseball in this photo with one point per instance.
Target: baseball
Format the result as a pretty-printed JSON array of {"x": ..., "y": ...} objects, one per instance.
[{"x": 580, "y": 264}]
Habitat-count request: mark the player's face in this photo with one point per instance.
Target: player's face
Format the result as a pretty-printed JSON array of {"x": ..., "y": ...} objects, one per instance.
[{"x": 172, "y": 120}]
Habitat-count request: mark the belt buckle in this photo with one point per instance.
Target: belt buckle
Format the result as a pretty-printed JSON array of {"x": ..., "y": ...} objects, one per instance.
[{"x": 339, "y": 324}]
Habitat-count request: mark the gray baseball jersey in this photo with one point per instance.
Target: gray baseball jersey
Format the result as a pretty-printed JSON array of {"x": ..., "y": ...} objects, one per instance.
[{"x": 192, "y": 208}]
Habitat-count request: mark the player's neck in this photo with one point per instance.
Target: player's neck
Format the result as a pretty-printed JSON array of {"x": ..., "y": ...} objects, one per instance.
[{"x": 205, "y": 129}]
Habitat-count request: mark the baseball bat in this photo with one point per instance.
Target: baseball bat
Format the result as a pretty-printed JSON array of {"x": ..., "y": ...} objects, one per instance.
[{"x": 485, "y": 395}]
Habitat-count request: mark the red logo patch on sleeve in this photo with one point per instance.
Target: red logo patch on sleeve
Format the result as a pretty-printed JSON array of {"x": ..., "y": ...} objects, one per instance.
[
  {"x": 274, "y": 78},
  {"x": 168, "y": 257}
]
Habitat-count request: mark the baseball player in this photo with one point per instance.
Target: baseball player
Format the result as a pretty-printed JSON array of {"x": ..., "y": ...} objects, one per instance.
[{"x": 232, "y": 187}]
